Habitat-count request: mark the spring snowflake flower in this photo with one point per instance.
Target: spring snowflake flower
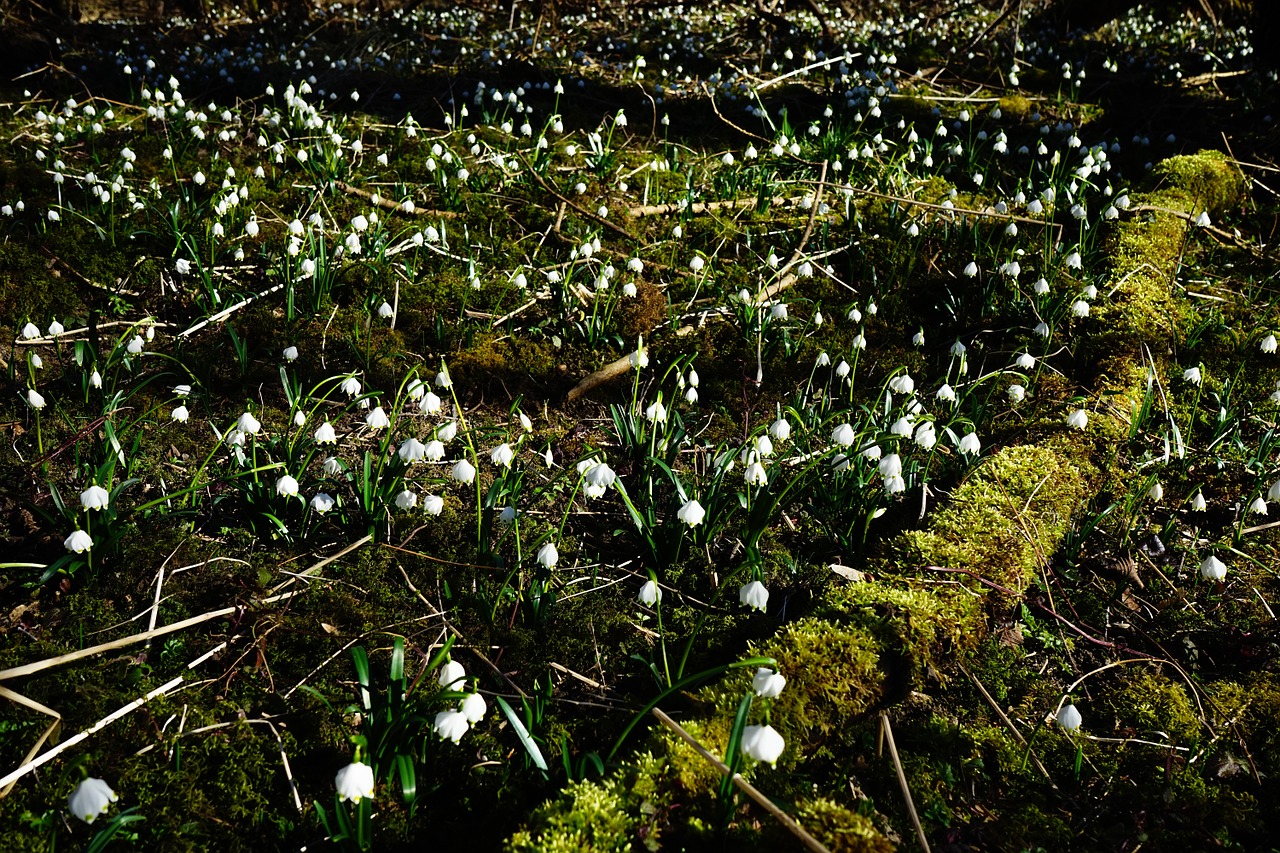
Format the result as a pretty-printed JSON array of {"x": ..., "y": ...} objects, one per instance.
[
  {"x": 650, "y": 593},
  {"x": 1213, "y": 569},
  {"x": 970, "y": 444},
  {"x": 350, "y": 386},
  {"x": 1016, "y": 393},
  {"x": 946, "y": 394},
  {"x": 451, "y": 675},
  {"x": 248, "y": 424},
  {"x": 1259, "y": 506},
  {"x": 548, "y": 556},
  {"x": 434, "y": 451},
  {"x": 843, "y": 369},
  {"x": 971, "y": 269},
  {"x": 843, "y": 435},
  {"x": 918, "y": 339},
  {"x": 136, "y": 345},
  {"x": 451, "y": 725},
  {"x": 180, "y": 414},
  {"x": 1192, "y": 375},
  {"x": 767, "y": 683},
  {"x": 1026, "y": 361},
  {"x": 780, "y": 430},
  {"x": 902, "y": 384},
  {"x": 377, "y": 419},
  {"x": 30, "y": 331},
  {"x": 433, "y": 504},
  {"x": 902, "y": 428},
  {"x": 1202, "y": 221},
  {"x": 287, "y": 487},
  {"x": 474, "y": 708},
  {"x": 1069, "y": 718},
  {"x": 354, "y": 782},
  {"x": 763, "y": 743},
  {"x": 1156, "y": 492},
  {"x": 385, "y": 310},
  {"x": 406, "y": 500},
  {"x": 325, "y": 434},
  {"x": 332, "y": 466},
  {"x": 322, "y": 503},
  {"x": 91, "y": 798},
  {"x": 1080, "y": 308},
  {"x": 640, "y": 358},
  {"x": 598, "y": 477},
  {"x": 754, "y": 595},
  {"x": 656, "y": 412},
  {"x": 463, "y": 471},
  {"x": 755, "y": 475},
  {"x": 502, "y": 455},
  {"x": 691, "y": 513},
  {"x": 78, "y": 542},
  {"x": 1198, "y": 503},
  {"x": 926, "y": 437},
  {"x": 290, "y": 353},
  {"x": 1078, "y": 419}
]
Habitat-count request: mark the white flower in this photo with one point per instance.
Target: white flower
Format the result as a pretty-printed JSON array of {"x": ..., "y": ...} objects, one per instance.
[
  {"x": 918, "y": 339},
  {"x": 1016, "y": 393},
  {"x": 548, "y": 556},
  {"x": 325, "y": 434},
  {"x": 446, "y": 431},
  {"x": 31, "y": 331},
  {"x": 1259, "y": 506},
  {"x": 1078, "y": 419},
  {"x": 92, "y": 797},
  {"x": 1026, "y": 361},
  {"x": 958, "y": 349},
  {"x": 1268, "y": 344},
  {"x": 451, "y": 675},
  {"x": 1042, "y": 329},
  {"x": 78, "y": 541},
  {"x": 640, "y": 358},
  {"x": 299, "y": 418},
  {"x": 650, "y": 593},
  {"x": 1156, "y": 492},
  {"x": 507, "y": 515},
  {"x": 598, "y": 477},
  {"x": 452, "y": 725},
  {"x": 764, "y": 445},
  {"x": 180, "y": 414},
  {"x": 412, "y": 450},
  {"x": 474, "y": 708},
  {"x": 823, "y": 360},
  {"x": 332, "y": 466},
  {"x": 697, "y": 263},
  {"x": 287, "y": 486},
  {"x": 691, "y": 513},
  {"x": 463, "y": 471},
  {"x": 843, "y": 369},
  {"x": 767, "y": 683},
  {"x": 322, "y": 503},
  {"x": 406, "y": 500},
  {"x": 902, "y": 428},
  {"x": 843, "y": 435},
  {"x": 502, "y": 455},
  {"x": 871, "y": 452},
  {"x": 763, "y": 743},
  {"x": 656, "y": 412},
  {"x": 434, "y": 451},
  {"x": 135, "y": 345},
  {"x": 1202, "y": 221},
  {"x": 95, "y": 379},
  {"x": 35, "y": 399},
  {"x": 780, "y": 430},
  {"x": 971, "y": 269},
  {"x": 385, "y": 310},
  {"x": 778, "y": 311},
  {"x": 429, "y": 404},
  {"x": 946, "y": 394},
  {"x": 970, "y": 444},
  {"x": 95, "y": 497},
  {"x": 1073, "y": 261},
  {"x": 433, "y": 504},
  {"x": 1213, "y": 569},
  {"x": 248, "y": 424},
  {"x": 926, "y": 437},
  {"x": 1069, "y": 719},
  {"x": 354, "y": 782},
  {"x": 377, "y": 419},
  {"x": 890, "y": 466},
  {"x": 754, "y": 595},
  {"x": 894, "y": 484},
  {"x": 1192, "y": 375},
  {"x": 902, "y": 384},
  {"x": 755, "y": 475},
  {"x": 443, "y": 380},
  {"x": 1198, "y": 503}
]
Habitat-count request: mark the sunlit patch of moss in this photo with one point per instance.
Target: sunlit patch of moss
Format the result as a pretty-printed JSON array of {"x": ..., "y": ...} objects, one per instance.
[
  {"x": 841, "y": 829},
  {"x": 1150, "y": 701},
  {"x": 1209, "y": 180},
  {"x": 588, "y": 816}
]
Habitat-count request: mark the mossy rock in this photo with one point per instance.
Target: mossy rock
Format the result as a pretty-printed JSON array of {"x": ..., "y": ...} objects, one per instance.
[
  {"x": 840, "y": 829},
  {"x": 1210, "y": 180}
]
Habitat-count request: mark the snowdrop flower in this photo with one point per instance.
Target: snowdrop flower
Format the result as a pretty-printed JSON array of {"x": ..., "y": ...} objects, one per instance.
[
  {"x": 287, "y": 487},
  {"x": 412, "y": 450},
  {"x": 754, "y": 595},
  {"x": 755, "y": 475},
  {"x": 377, "y": 419},
  {"x": 1213, "y": 569},
  {"x": 451, "y": 725},
  {"x": 1198, "y": 503},
  {"x": 1016, "y": 393},
  {"x": 248, "y": 424},
  {"x": 451, "y": 675},
  {"x": 548, "y": 556},
  {"x": 1268, "y": 344},
  {"x": 91, "y": 798},
  {"x": 406, "y": 500},
  {"x": 1192, "y": 375},
  {"x": 650, "y": 593},
  {"x": 1078, "y": 419},
  {"x": 970, "y": 444},
  {"x": 1069, "y": 718},
  {"x": 322, "y": 503},
  {"x": 767, "y": 683},
  {"x": 763, "y": 743},
  {"x": 78, "y": 542},
  {"x": 843, "y": 435},
  {"x": 502, "y": 455},
  {"x": 463, "y": 471},
  {"x": 180, "y": 414},
  {"x": 474, "y": 708},
  {"x": 691, "y": 513}
]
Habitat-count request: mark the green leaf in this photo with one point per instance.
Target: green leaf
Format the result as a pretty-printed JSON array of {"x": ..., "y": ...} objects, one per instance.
[{"x": 525, "y": 738}]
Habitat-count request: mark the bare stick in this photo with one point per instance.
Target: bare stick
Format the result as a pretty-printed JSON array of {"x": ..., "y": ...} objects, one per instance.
[
  {"x": 611, "y": 371},
  {"x": 743, "y": 785},
  {"x": 902, "y": 780}
]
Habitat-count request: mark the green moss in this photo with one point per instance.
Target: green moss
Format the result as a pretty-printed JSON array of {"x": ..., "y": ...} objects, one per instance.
[
  {"x": 1209, "y": 179},
  {"x": 1149, "y": 701},
  {"x": 588, "y": 816},
  {"x": 841, "y": 830}
]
